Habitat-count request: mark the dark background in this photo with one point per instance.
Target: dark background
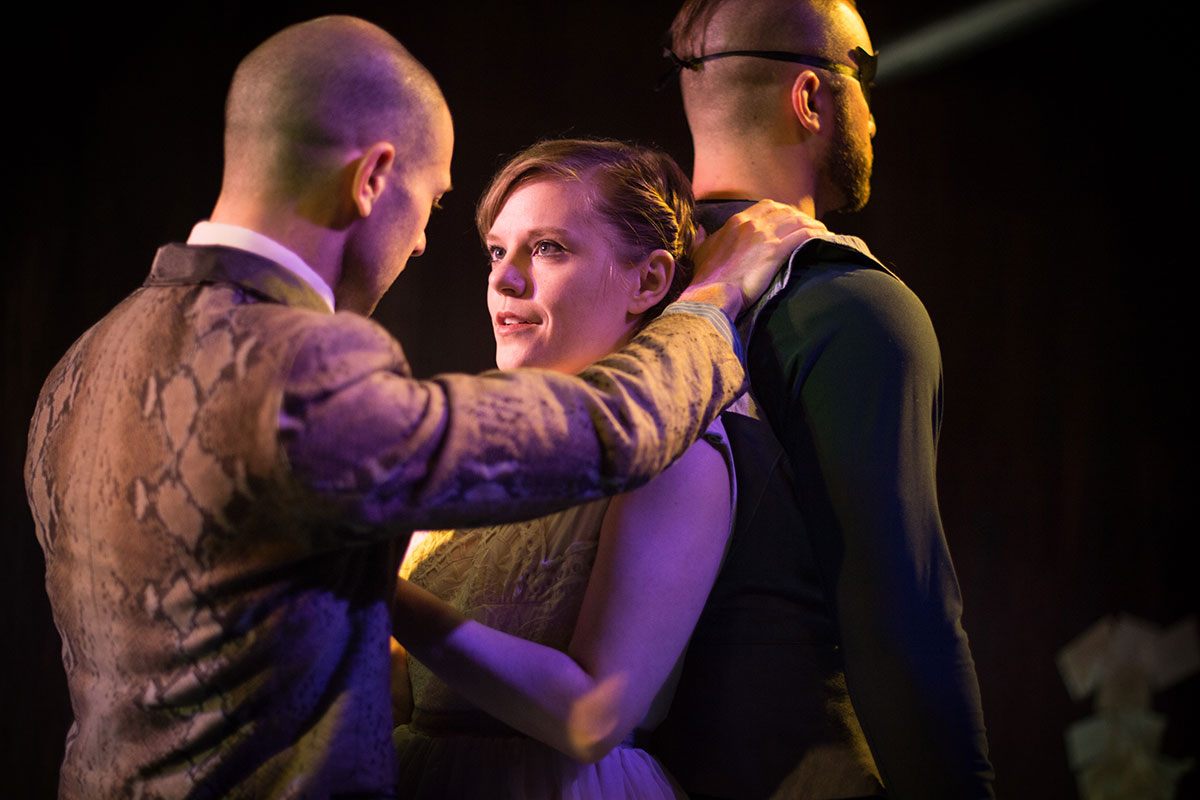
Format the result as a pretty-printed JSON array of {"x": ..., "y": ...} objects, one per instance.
[{"x": 1031, "y": 192}]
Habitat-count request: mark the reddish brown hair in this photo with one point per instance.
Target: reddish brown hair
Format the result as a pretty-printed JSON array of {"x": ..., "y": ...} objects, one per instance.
[{"x": 641, "y": 192}]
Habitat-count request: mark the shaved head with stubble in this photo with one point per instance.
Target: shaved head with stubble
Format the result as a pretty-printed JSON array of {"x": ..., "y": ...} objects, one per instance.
[
  {"x": 766, "y": 128},
  {"x": 337, "y": 142}
]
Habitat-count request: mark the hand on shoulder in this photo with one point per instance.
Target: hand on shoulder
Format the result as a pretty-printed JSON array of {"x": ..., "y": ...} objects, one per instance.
[{"x": 734, "y": 265}]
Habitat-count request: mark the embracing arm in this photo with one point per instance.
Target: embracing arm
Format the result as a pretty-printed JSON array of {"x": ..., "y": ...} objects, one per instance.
[
  {"x": 848, "y": 371},
  {"x": 375, "y": 446},
  {"x": 659, "y": 551},
  {"x": 380, "y": 448}
]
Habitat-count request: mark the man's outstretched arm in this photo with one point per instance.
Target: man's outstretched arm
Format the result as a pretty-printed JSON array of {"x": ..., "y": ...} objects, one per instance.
[{"x": 459, "y": 450}]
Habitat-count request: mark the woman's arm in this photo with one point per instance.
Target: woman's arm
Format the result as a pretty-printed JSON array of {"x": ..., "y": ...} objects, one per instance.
[{"x": 659, "y": 551}]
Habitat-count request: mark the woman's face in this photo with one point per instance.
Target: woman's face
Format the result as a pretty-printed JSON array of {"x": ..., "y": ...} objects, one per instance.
[{"x": 558, "y": 295}]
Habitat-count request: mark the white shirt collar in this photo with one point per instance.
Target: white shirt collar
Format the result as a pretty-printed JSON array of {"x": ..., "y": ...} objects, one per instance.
[{"x": 226, "y": 235}]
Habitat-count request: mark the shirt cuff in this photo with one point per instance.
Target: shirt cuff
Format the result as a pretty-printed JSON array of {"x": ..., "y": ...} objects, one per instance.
[{"x": 717, "y": 317}]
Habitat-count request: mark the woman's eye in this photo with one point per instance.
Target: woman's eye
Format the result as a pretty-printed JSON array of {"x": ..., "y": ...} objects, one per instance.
[
  {"x": 547, "y": 248},
  {"x": 495, "y": 254}
]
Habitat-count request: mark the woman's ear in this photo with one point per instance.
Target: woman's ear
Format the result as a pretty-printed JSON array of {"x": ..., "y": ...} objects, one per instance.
[
  {"x": 370, "y": 176},
  {"x": 654, "y": 275},
  {"x": 806, "y": 104}
]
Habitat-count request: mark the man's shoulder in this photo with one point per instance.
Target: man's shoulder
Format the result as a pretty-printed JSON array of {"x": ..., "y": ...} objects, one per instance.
[
  {"x": 313, "y": 347},
  {"x": 268, "y": 304},
  {"x": 837, "y": 254},
  {"x": 829, "y": 273},
  {"x": 334, "y": 349},
  {"x": 838, "y": 294}
]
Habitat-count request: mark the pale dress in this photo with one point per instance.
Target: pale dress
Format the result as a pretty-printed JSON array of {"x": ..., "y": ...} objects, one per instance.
[{"x": 527, "y": 579}]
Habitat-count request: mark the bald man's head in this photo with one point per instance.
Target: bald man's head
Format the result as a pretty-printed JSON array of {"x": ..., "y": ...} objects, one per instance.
[
  {"x": 710, "y": 26},
  {"x": 778, "y": 108},
  {"x": 738, "y": 95},
  {"x": 313, "y": 92}
]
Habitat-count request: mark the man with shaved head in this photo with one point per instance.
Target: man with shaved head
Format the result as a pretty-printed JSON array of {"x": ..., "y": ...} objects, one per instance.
[
  {"x": 223, "y": 471},
  {"x": 830, "y": 661}
]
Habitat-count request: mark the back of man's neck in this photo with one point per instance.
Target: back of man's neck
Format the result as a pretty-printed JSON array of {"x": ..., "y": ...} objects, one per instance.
[
  {"x": 748, "y": 178},
  {"x": 748, "y": 190},
  {"x": 754, "y": 168},
  {"x": 311, "y": 242}
]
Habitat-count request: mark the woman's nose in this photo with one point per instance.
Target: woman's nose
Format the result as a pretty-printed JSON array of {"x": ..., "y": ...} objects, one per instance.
[{"x": 508, "y": 279}]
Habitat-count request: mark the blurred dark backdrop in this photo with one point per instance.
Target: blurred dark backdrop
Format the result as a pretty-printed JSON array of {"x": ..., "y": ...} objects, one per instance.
[{"x": 1032, "y": 192}]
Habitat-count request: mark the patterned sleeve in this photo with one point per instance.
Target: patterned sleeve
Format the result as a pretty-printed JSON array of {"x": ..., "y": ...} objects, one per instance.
[{"x": 459, "y": 450}]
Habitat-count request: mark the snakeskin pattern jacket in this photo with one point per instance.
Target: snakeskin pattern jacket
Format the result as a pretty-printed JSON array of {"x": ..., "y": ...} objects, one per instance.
[{"x": 223, "y": 476}]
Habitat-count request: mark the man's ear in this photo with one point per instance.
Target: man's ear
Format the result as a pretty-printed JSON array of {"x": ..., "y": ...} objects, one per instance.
[
  {"x": 370, "y": 177},
  {"x": 806, "y": 104},
  {"x": 654, "y": 276}
]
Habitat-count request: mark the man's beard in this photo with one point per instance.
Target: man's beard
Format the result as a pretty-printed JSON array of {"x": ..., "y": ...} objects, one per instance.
[{"x": 846, "y": 171}]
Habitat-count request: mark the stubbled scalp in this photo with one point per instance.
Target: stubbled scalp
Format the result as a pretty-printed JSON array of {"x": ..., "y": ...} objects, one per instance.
[
  {"x": 312, "y": 91},
  {"x": 708, "y": 26},
  {"x": 739, "y": 94}
]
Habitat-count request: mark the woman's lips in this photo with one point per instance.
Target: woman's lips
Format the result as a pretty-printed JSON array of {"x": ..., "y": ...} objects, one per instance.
[{"x": 507, "y": 322}]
